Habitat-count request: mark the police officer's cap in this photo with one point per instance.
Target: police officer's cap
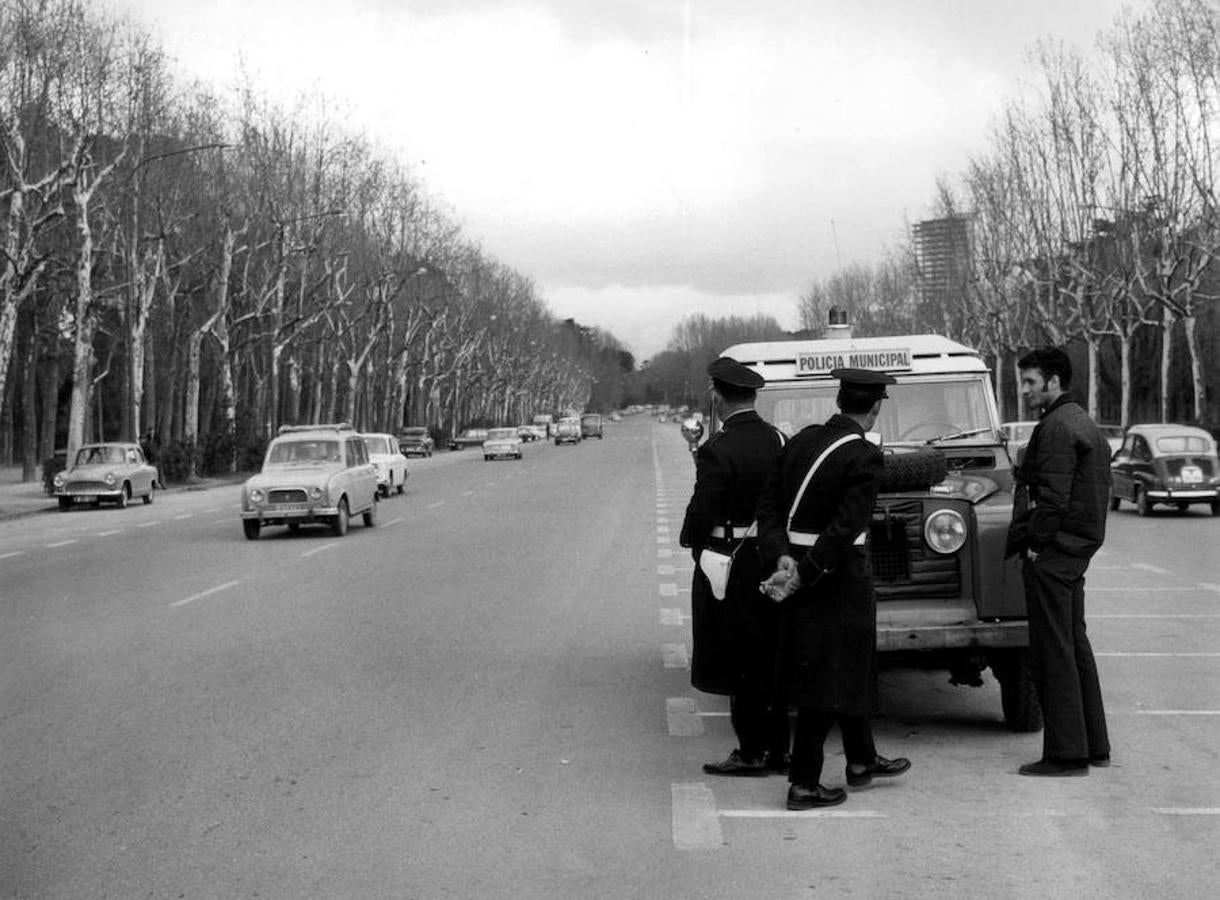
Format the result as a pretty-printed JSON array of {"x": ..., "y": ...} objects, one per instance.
[
  {"x": 729, "y": 371},
  {"x": 865, "y": 380}
]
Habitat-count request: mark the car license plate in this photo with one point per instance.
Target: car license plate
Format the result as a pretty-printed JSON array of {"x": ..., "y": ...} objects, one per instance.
[
  {"x": 1192, "y": 474},
  {"x": 287, "y": 507}
]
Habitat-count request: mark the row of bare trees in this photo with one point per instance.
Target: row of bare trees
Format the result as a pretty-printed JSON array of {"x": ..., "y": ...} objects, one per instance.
[
  {"x": 1092, "y": 220},
  {"x": 206, "y": 268}
]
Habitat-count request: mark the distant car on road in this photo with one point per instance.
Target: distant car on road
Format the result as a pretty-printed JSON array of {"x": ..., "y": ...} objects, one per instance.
[
  {"x": 1170, "y": 464},
  {"x": 468, "y": 437},
  {"x": 114, "y": 472},
  {"x": 416, "y": 441},
  {"x": 567, "y": 431},
  {"x": 311, "y": 474},
  {"x": 531, "y": 433},
  {"x": 388, "y": 460},
  {"x": 502, "y": 443},
  {"x": 591, "y": 426}
]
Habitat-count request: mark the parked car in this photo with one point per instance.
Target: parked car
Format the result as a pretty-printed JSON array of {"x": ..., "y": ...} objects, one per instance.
[
  {"x": 388, "y": 459},
  {"x": 591, "y": 426},
  {"x": 502, "y": 443},
  {"x": 115, "y": 472},
  {"x": 1171, "y": 464},
  {"x": 468, "y": 437},
  {"x": 1016, "y": 436},
  {"x": 567, "y": 431},
  {"x": 311, "y": 474},
  {"x": 416, "y": 441},
  {"x": 531, "y": 433}
]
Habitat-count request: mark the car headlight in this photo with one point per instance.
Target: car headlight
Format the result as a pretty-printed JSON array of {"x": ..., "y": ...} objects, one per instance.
[
  {"x": 315, "y": 493},
  {"x": 60, "y": 480},
  {"x": 110, "y": 479},
  {"x": 256, "y": 495},
  {"x": 945, "y": 531}
]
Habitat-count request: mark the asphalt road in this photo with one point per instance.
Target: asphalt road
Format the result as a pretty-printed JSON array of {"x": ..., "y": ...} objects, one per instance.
[{"x": 486, "y": 695}]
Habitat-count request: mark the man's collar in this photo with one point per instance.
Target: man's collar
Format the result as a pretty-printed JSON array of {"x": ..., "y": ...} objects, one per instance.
[{"x": 737, "y": 412}]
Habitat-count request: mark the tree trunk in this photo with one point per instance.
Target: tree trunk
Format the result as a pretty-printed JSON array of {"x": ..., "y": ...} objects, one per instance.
[
  {"x": 1094, "y": 354},
  {"x": 29, "y": 412},
  {"x": 190, "y": 409},
  {"x": 1197, "y": 379},
  {"x": 50, "y": 405},
  {"x": 1166, "y": 360}
]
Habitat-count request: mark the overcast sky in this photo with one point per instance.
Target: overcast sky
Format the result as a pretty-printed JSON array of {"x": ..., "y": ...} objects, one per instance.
[{"x": 646, "y": 159}]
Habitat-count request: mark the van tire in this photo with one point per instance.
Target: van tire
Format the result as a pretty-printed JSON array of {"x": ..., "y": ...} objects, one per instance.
[
  {"x": 912, "y": 469},
  {"x": 1018, "y": 691}
]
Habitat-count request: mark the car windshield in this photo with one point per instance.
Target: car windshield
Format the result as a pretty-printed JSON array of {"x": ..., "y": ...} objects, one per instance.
[
  {"x": 303, "y": 451},
  {"x": 917, "y": 412},
  {"x": 414, "y": 434},
  {"x": 502, "y": 434},
  {"x": 96, "y": 456},
  {"x": 1182, "y": 443},
  {"x": 378, "y": 445}
]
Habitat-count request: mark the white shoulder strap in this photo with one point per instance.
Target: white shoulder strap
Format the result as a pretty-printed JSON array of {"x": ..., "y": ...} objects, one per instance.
[{"x": 816, "y": 465}]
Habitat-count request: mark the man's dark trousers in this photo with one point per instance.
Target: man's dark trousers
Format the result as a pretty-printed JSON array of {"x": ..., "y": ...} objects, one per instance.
[
  {"x": 808, "y": 745},
  {"x": 760, "y": 723},
  {"x": 1074, "y": 719}
]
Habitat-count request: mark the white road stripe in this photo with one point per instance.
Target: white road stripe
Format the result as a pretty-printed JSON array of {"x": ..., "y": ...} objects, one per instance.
[
  {"x": 1155, "y": 616},
  {"x": 802, "y": 814},
  {"x": 435, "y": 505},
  {"x": 682, "y": 717},
  {"x": 202, "y": 594},
  {"x": 108, "y": 533},
  {"x": 1185, "y": 589},
  {"x": 674, "y": 656},
  {"x": 152, "y": 524},
  {"x": 1174, "y": 655},
  {"x": 668, "y": 590},
  {"x": 184, "y": 516},
  {"x": 391, "y": 522},
  {"x": 664, "y": 553},
  {"x": 1148, "y": 567},
  {"x": 61, "y": 543},
  {"x": 714, "y": 713},
  {"x": 1186, "y": 810},
  {"x": 319, "y": 549},
  {"x": 673, "y": 617},
  {"x": 14, "y": 553},
  {"x": 695, "y": 824},
  {"x": 1177, "y": 712},
  {"x": 467, "y": 493}
]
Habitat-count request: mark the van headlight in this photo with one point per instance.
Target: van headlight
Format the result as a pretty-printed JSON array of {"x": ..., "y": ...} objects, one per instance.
[
  {"x": 945, "y": 531},
  {"x": 315, "y": 493},
  {"x": 256, "y": 495}
]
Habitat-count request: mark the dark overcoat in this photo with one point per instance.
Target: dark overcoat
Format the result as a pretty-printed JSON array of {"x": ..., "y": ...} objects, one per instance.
[
  {"x": 829, "y": 650},
  {"x": 734, "y": 638}
]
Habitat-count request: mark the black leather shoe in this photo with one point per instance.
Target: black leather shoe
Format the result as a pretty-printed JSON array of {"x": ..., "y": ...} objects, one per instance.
[
  {"x": 736, "y": 764},
  {"x": 1056, "y": 768},
  {"x": 1100, "y": 760},
  {"x": 862, "y": 776},
  {"x": 804, "y": 796},
  {"x": 777, "y": 763}
]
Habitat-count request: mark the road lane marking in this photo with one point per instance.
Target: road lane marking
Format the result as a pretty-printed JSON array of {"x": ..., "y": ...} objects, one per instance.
[
  {"x": 61, "y": 543},
  {"x": 391, "y": 522},
  {"x": 319, "y": 549},
  {"x": 1208, "y": 586},
  {"x": 14, "y": 553},
  {"x": 1148, "y": 567},
  {"x": 675, "y": 656},
  {"x": 208, "y": 592},
  {"x": 1177, "y": 712},
  {"x": 674, "y": 617},
  {"x": 1143, "y": 590},
  {"x": 802, "y": 814},
  {"x": 664, "y": 553},
  {"x": 695, "y": 824},
  {"x": 668, "y": 590},
  {"x": 1186, "y": 810},
  {"x": 184, "y": 516},
  {"x": 662, "y": 520},
  {"x": 435, "y": 505},
  {"x": 151, "y": 524},
  {"x": 1176, "y": 655},
  {"x": 1155, "y": 616},
  {"x": 109, "y": 533},
  {"x": 467, "y": 493},
  {"x": 682, "y": 717}
]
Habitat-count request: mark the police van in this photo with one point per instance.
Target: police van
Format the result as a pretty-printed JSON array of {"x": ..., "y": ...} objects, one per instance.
[{"x": 946, "y": 596}]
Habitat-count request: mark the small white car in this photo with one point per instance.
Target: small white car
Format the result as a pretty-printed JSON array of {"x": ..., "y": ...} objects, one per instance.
[
  {"x": 502, "y": 443},
  {"x": 389, "y": 460},
  {"x": 114, "y": 472}
]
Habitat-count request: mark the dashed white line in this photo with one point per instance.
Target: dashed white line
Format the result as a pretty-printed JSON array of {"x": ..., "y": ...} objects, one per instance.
[
  {"x": 664, "y": 553},
  {"x": 391, "y": 522},
  {"x": 151, "y": 524},
  {"x": 674, "y": 656},
  {"x": 1148, "y": 567},
  {"x": 1186, "y": 810},
  {"x": 1155, "y": 616},
  {"x": 319, "y": 549},
  {"x": 668, "y": 590},
  {"x": 435, "y": 505},
  {"x": 682, "y": 717},
  {"x": 1173, "y": 655},
  {"x": 467, "y": 493},
  {"x": 12, "y": 554},
  {"x": 674, "y": 617},
  {"x": 61, "y": 543},
  {"x": 1177, "y": 712},
  {"x": 208, "y": 592},
  {"x": 184, "y": 516},
  {"x": 695, "y": 824}
]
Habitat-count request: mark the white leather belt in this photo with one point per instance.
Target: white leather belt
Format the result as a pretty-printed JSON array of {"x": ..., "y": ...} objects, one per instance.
[
  {"x": 807, "y": 539},
  {"x": 737, "y": 532}
]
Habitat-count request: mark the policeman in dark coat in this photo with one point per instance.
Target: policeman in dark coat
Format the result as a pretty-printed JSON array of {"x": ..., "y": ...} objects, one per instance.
[
  {"x": 735, "y": 638},
  {"x": 813, "y": 530}
]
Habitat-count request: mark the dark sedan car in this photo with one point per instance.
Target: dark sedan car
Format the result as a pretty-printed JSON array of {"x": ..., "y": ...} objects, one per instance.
[
  {"x": 415, "y": 441},
  {"x": 468, "y": 437},
  {"x": 1171, "y": 464}
]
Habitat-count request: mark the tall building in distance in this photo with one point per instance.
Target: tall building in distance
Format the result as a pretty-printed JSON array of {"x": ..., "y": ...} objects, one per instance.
[{"x": 942, "y": 256}]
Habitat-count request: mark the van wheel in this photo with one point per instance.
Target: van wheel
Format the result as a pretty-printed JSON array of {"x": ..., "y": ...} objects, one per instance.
[
  {"x": 1018, "y": 692},
  {"x": 1142, "y": 505},
  {"x": 250, "y": 527},
  {"x": 370, "y": 515},
  {"x": 338, "y": 525}
]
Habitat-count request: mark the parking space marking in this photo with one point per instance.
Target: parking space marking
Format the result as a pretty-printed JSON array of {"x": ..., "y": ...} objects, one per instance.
[
  {"x": 319, "y": 549},
  {"x": 673, "y": 617},
  {"x": 675, "y": 656},
  {"x": 695, "y": 823},
  {"x": 12, "y": 554},
  {"x": 664, "y": 553},
  {"x": 682, "y": 718},
  {"x": 802, "y": 814},
  {"x": 207, "y": 593},
  {"x": 61, "y": 543},
  {"x": 668, "y": 590}
]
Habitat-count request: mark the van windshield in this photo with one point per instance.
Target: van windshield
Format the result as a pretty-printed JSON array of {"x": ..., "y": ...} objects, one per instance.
[{"x": 917, "y": 411}]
